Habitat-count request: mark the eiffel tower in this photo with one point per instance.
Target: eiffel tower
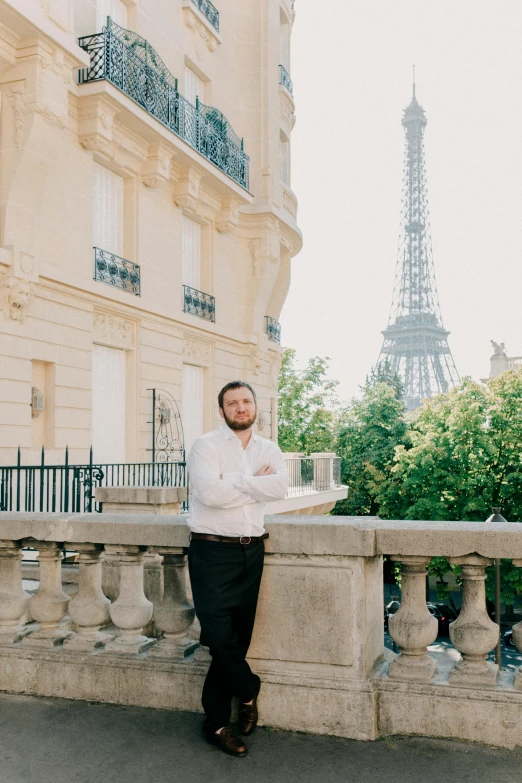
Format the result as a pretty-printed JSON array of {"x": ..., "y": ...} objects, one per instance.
[{"x": 415, "y": 341}]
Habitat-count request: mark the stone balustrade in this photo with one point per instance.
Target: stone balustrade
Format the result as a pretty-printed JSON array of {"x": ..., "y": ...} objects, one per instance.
[{"x": 318, "y": 644}]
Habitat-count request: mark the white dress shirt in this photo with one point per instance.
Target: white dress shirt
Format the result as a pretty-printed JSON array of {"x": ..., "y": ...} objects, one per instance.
[{"x": 227, "y": 498}]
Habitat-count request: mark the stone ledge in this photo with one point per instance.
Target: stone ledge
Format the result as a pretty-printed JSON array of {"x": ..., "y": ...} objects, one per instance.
[
  {"x": 363, "y": 709},
  {"x": 141, "y": 495},
  {"x": 299, "y": 534}
]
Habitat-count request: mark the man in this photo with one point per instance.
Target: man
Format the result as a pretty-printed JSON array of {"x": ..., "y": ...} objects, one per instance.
[{"x": 232, "y": 473}]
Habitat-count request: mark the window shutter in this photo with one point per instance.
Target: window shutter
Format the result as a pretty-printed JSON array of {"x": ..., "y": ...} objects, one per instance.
[
  {"x": 284, "y": 46},
  {"x": 191, "y": 252},
  {"x": 108, "y": 404},
  {"x": 193, "y": 86},
  {"x": 192, "y": 404},
  {"x": 285, "y": 162},
  {"x": 107, "y": 210}
]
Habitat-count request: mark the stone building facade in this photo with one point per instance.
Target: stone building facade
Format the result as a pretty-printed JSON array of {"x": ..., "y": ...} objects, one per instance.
[{"x": 147, "y": 223}]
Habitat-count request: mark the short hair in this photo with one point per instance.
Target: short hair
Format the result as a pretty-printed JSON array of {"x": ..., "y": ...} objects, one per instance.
[{"x": 235, "y": 385}]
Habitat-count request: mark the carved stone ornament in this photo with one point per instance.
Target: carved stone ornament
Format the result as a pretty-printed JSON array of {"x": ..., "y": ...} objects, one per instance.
[
  {"x": 256, "y": 361},
  {"x": 16, "y": 99},
  {"x": 113, "y": 331},
  {"x": 197, "y": 349},
  {"x": 186, "y": 193},
  {"x": 228, "y": 217},
  {"x": 202, "y": 35},
  {"x": 15, "y": 295},
  {"x": 275, "y": 369},
  {"x": 95, "y": 142},
  {"x": 255, "y": 249}
]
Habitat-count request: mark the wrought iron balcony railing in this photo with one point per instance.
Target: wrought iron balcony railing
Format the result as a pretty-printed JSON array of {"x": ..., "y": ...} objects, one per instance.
[
  {"x": 273, "y": 329},
  {"x": 285, "y": 80},
  {"x": 198, "y": 303},
  {"x": 116, "y": 271},
  {"x": 133, "y": 66},
  {"x": 209, "y": 11}
]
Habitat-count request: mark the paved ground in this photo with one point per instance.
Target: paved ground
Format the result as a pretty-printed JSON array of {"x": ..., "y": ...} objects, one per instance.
[{"x": 58, "y": 741}]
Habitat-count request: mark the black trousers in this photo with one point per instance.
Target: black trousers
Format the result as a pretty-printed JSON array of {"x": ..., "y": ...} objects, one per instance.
[{"x": 225, "y": 585}]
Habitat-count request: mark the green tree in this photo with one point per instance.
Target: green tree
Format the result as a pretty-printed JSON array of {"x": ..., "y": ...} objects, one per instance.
[
  {"x": 462, "y": 455},
  {"x": 308, "y": 407},
  {"x": 370, "y": 430}
]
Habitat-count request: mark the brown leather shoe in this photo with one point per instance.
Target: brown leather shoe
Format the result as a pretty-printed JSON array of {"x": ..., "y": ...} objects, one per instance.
[
  {"x": 247, "y": 716},
  {"x": 228, "y": 742}
]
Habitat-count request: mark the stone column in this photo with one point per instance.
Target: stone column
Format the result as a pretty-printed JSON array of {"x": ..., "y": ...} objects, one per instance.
[
  {"x": 49, "y": 606},
  {"x": 473, "y": 633},
  {"x": 132, "y": 610},
  {"x": 323, "y": 469},
  {"x": 89, "y": 609},
  {"x": 412, "y": 627},
  {"x": 517, "y": 638},
  {"x": 13, "y": 600},
  {"x": 173, "y": 614}
]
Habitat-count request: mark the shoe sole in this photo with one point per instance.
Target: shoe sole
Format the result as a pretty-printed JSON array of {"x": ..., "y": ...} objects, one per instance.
[{"x": 228, "y": 752}]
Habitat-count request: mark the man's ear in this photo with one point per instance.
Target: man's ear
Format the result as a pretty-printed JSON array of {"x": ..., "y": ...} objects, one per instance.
[{"x": 221, "y": 413}]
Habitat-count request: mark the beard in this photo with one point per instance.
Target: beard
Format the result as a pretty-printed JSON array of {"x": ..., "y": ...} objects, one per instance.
[{"x": 239, "y": 425}]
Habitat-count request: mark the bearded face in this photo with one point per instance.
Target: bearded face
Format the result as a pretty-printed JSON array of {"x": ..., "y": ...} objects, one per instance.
[{"x": 239, "y": 409}]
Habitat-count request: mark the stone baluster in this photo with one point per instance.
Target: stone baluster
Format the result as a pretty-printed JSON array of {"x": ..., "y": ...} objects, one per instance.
[
  {"x": 13, "y": 600},
  {"x": 49, "y": 606},
  {"x": 517, "y": 638},
  {"x": 89, "y": 609},
  {"x": 173, "y": 614},
  {"x": 132, "y": 610},
  {"x": 473, "y": 633},
  {"x": 412, "y": 627}
]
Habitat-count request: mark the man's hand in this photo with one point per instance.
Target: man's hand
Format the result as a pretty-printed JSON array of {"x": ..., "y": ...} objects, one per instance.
[{"x": 266, "y": 470}]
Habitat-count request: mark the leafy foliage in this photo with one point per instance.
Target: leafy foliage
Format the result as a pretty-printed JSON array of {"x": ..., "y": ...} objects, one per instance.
[
  {"x": 371, "y": 429},
  {"x": 308, "y": 408}
]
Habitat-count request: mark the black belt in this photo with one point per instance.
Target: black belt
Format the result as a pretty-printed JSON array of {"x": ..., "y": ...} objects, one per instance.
[{"x": 244, "y": 540}]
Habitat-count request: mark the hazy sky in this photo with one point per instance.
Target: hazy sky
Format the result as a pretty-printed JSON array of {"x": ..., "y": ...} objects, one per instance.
[{"x": 351, "y": 68}]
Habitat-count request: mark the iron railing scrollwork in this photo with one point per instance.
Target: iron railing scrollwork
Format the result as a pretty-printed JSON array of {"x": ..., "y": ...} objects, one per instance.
[
  {"x": 168, "y": 442},
  {"x": 198, "y": 303},
  {"x": 72, "y": 488},
  {"x": 132, "y": 65},
  {"x": 209, "y": 11},
  {"x": 285, "y": 80},
  {"x": 116, "y": 271},
  {"x": 273, "y": 329}
]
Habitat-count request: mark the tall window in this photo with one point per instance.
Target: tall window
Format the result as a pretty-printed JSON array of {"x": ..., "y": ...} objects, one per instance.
[
  {"x": 284, "y": 154},
  {"x": 108, "y": 404},
  {"x": 191, "y": 252},
  {"x": 192, "y": 404},
  {"x": 107, "y": 210},
  {"x": 284, "y": 45},
  {"x": 116, "y": 9},
  {"x": 193, "y": 86}
]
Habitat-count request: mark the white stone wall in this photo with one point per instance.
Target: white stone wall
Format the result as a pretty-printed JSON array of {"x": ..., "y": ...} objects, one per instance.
[{"x": 51, "y": 131}]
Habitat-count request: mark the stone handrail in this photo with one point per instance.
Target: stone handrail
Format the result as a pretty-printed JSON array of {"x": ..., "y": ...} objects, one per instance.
[{"x": 319, "y": 631}]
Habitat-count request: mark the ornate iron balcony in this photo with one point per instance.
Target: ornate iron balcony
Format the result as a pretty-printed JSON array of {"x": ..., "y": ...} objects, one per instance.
[
  {"x": 273, "y": 329},
  {"x": 130, "y": 63},
  {"x": 116, "y": 271},
  {"x": 209, "y": 11},
  {"x": 198, "y": 303},
  {"x": 285, "y": 80}
]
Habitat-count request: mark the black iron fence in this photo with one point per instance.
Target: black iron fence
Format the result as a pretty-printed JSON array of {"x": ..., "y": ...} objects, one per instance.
[
  {"x": 130, "y": 63},
  {"x": 71, "y": 488}
]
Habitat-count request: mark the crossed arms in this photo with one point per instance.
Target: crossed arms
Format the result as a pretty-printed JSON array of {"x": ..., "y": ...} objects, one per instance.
[{"x": 232, "y": 490}]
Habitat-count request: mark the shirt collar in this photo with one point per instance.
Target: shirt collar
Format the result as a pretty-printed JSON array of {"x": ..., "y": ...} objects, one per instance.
[{"x": 228, "y": 434}]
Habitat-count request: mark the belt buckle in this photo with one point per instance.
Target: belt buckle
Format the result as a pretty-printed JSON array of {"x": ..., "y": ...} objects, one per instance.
[{"x": 245, "y": 543}]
